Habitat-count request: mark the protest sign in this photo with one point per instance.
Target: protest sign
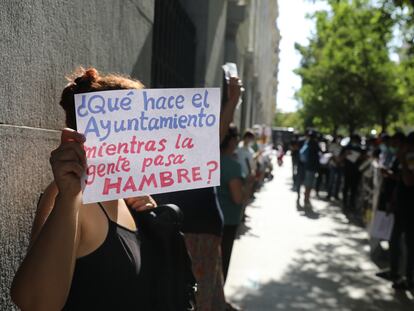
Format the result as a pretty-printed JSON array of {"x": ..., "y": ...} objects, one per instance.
[
  {"x": 148, "y": 141},
  {"x": 382, "y": 225}
]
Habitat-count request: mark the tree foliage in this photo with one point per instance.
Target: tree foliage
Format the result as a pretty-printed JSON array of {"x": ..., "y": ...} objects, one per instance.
[
  {"x": 288, "y": 119},
  {"x": 348, "y": 78}
]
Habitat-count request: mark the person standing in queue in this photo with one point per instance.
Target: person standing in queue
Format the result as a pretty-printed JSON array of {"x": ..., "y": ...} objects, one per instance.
[
  {"x": 87, "y": 256},
  {"x": 203, "y": 221}
]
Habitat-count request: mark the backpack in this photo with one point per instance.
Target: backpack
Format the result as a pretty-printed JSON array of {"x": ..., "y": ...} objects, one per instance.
[
  {"x": 304, "y": 153},
  {"x": 164, "y": 246}
]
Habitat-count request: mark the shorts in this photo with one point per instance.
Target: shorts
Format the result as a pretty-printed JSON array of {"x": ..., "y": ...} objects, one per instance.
[{"x": 309, "y": 180}]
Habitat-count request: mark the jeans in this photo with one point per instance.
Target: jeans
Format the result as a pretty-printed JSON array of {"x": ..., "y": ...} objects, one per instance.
[{"x": 334, "y": 183}]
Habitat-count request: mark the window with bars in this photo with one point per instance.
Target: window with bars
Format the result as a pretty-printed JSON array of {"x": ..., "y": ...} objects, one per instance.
[{"x": 173, "y": 47}]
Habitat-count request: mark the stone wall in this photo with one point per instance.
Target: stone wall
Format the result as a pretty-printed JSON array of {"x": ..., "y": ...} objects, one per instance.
[{"x": 40, "y": 43}]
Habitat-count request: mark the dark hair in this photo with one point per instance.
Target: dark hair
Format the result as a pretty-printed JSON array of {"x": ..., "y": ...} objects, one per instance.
[
  {"x": 399, "y": 136},
  {"x": 89, "y": 80},
  {"x": 248, "y": 134},
  {"x": 232, "y": 133}
]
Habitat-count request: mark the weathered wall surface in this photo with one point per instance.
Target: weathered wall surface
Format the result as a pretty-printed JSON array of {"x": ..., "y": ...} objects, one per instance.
[
  {"x": 209, "y": 18},
  {"x": 40, "y": 43}
]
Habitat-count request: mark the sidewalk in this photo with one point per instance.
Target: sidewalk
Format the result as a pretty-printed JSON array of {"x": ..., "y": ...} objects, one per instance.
[{"x": 286, "y": 260}]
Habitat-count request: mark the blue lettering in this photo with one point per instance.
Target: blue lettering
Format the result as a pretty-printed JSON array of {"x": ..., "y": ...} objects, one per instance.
[
  {"x": 212, "y": 119},
  {"x": 201, "y": 115},
  {"x": 142, "y": 118},
  {"x": 92, "y": 127},
  {"x": 126, "y": 101},
  {"x": 119, "y": 126},
  {"x": 182, "y": 121},
  {"x": 178, "y": 101},
  {"x": 153, "y": 124},
  {"x": 99, "y": 107},
  {"x": 82, "y": 107},
  {"x": 148, "y": 100},
  {"x": 106, "y": 127},
  {"x": 197, "y": 97},
  {"x": 206, "y": 105}
]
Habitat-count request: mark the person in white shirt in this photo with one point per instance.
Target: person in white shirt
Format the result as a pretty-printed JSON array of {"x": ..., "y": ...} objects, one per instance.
[{"x": 245, "y": 154}]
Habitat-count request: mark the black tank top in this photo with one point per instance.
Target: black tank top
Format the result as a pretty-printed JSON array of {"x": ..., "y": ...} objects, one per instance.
[{"x": 114, "y": 276}]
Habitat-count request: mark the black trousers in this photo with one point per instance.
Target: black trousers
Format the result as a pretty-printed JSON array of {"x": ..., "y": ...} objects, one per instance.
[
  {"x": 402, "y": 224},
  {"x": 351, "y": 182},
  {"x": 227, "y": 241}
]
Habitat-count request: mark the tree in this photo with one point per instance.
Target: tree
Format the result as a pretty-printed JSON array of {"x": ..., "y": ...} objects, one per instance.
[
  {"x": 288, "y": 119},
  {"x": 347, "y": 76}
]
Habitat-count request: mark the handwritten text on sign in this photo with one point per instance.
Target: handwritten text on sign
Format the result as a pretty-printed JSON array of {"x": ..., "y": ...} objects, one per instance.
[{"x": 149, "y": 141}]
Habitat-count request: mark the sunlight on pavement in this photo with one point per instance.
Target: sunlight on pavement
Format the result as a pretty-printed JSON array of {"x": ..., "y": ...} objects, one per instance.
[{"x": 286, "y": 260}]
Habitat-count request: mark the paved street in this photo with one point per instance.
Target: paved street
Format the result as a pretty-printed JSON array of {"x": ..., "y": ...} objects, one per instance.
[{"x": 286, "y": 260}]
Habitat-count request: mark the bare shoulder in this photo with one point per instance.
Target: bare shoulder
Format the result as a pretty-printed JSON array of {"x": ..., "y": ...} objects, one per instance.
[{"x": 44, "y": 207}]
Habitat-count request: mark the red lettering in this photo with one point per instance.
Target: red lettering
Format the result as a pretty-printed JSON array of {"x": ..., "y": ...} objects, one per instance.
[
  {"x": 162, "y": 145},
  {"x": 101, "y": 170},
  {"x": 125, "y": 165},
  {"x": 188, "y": 143},
  {"x": 166, "y": 179},
  {"x": 179, "y": 159},
  {"x": 90, "y": 171},
  {"x": 177, "y": 143},
  {"x": 101, "y": 149},
  {"x": 196, "y": 173},
  {"x": 111, "y": 168},
  {"x": 150, "y": 146},
  {"x": 130, "y": 185},
  {"x": 182, "y": 173},
  {"x": 147, "y": 180},
  {"x": 159, "y": 160},
  {"x": 111, "y": 150},
  {"x": 108, "y": 185},
  {"x": 147, "y": 162}
]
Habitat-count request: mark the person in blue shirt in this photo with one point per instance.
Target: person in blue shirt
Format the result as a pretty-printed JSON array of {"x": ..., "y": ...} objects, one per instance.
[{"x": 309, "y": 158}]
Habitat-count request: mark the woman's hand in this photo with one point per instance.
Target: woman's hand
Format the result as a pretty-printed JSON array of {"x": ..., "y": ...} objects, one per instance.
[
  {"x": 69, "y": 162},
  {"x": 141, "y": 203}
]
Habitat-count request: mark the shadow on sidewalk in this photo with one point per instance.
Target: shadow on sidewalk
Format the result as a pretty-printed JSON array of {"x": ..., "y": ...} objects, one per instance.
[
  {"x": 325, "y": 278},
  {"x": 334, "y": 274}
]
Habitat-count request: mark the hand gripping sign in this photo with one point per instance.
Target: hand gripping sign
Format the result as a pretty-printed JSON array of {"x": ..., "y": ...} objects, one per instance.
[{"x": 149, "y": 141}]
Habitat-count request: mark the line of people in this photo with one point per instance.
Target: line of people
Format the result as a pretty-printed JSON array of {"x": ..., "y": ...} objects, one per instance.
[
  {"x": 365, "y": 175},
  {"x": 131, "y": 254}
]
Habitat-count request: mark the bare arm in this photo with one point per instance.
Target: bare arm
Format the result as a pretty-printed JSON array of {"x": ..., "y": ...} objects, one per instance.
[
  {"x": 227, "y": 113},
  {"x": 240, "y": 193},
  {"x": 43, "y": 280}
]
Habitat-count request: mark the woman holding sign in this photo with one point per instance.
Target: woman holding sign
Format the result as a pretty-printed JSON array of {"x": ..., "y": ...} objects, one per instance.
[{"x": 93, "y": 256}]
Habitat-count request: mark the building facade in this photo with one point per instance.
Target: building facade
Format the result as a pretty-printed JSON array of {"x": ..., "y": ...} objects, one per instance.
[
  {"x": 252, "y": 42},
  {"x": 164, "y": 43}
]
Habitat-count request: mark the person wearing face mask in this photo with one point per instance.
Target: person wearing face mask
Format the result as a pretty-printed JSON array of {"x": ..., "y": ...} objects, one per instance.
[
  {"x": 387, "y": 202},
  {"x": 404, "y": 215},
  {"x": 351, "y": 155},
  {"x": 386, "y": 155},
  {"x": 245, "y": 154}
]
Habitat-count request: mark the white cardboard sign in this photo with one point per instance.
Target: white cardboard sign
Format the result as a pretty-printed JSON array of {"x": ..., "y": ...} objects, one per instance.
[
  {"x": 382, "y": 225},
  {"x": 149, "y": 141}
]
